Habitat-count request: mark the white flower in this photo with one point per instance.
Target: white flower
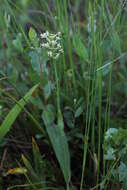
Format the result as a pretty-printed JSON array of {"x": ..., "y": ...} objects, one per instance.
[
  {"x": 57, "y": 55},
  {"x": 47, "y": 33},
  {"x": 47, "y": 45},
  {"x": 58, "y": 38},
  {"x": 53, "y": 42},
  {"x": 59, "y": 34},
  {"x": 59, "y": 46},
  {"x": 42, "y": 45},
  {"x": 50, "y": 54},
  {"x": 61, "y": 50},
  {"x": 44, "y": 35}
]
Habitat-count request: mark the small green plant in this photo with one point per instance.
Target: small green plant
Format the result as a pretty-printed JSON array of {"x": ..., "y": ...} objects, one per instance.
[
  {"x": 115, "y": 147},
  {"x": 51, "y": 44}
]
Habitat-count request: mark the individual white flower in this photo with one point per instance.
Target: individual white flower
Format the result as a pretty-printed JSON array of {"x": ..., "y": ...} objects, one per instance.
[
  {"x": 59, "y": 46},
  {"x": 50, "y": 54},
  {"x": 42, "y": 45},
  {"x": 53, "y": 42},
  {"x": 44, "y": 35},
  {"x": 58, "y": 38},
  {"x": 47, "y": 33},
  {"x": 57, "y": 55},
  {"x": 61, "y": 50},
  {"x": 47, "y": 45},
  {"x": 59, "y": 34}
]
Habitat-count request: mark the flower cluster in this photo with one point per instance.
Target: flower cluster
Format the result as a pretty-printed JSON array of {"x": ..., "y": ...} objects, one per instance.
[{"x": 52, "y": 43}]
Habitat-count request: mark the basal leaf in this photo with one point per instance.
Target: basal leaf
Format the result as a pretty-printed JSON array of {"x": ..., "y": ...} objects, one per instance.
[{"x": 60, "y": 145}]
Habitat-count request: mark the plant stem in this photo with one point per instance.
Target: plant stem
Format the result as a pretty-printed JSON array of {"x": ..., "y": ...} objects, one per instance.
[
  {"x": 43, "y": 93},
  {"x": 67, "y": 186},
  {"x": 57, "y": 87},
  {"x": 69, "y": 48}
]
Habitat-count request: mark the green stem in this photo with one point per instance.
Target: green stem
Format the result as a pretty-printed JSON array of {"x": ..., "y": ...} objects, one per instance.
[
  {"x": 57, "y": 87},
  {"x": 67, "y": 187},
  {"x": 100, "y": 62},
  {"x": 69, "y": 48},
  {"x": 43, "y": 93}
]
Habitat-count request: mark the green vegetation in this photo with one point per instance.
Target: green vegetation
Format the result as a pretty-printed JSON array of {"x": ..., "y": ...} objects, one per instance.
[{"x": 63, "y": 94}]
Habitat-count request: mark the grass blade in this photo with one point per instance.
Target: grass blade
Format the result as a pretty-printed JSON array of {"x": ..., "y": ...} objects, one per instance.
[{"x": 15, "y": 111}]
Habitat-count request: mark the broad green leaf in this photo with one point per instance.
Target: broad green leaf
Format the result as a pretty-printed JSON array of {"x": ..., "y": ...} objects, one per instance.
[
  {"x": 34, "y": 60},
  {"x": 60, "y": 121},
  {"x": 48, "y": 89},
  {"x": 35, "y": 73},
  {"x": 12, "y": 73},
  {"x": 32, "y": 33},
  {"x": 110, "y": 132},
  {"x": 49, "y": 114},
  {"x": 34, "y": 77},
  {"x": 60, "y": 145},
  {"x": 33, "y": 37},
  {"x": 110, "y": 154},
  {"x": 122, "y": 171},
  {"x": 79, "y": 111},
  {"x": 12, "y": 115}
]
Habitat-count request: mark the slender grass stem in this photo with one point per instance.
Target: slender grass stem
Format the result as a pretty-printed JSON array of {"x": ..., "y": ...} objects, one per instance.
[{"x": 69, "y": 49}]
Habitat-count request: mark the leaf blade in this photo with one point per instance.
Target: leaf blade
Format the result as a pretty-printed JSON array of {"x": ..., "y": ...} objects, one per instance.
[{"x": 14, "y": 112}]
